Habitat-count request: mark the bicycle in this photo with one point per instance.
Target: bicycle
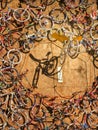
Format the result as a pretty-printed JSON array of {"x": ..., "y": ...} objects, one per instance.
[
  {"x": 47, "y": 65},
  {"x": 58, "y": 15},
  {"x": 23, "y": 15},
  {"x": 70, "y": 42}
]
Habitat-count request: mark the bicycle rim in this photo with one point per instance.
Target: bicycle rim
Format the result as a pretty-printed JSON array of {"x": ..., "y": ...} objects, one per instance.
[
  {"x": 50, "y": 32},
  {"x": 73, "y": 50},
  {"x": 58, "y": 16},
  {"x": 14, "y": 56},
  {"x": 46, "y": 22},
  {"x": 94, "y": 31},
  {"x": 8, "y": 78},
  {"x": 21, "y": 15},
  {"x": 95, "y": 62},
  {"x": 50, "y": 68},
  {"x": 27, "y": 101},
  {"x": 18, "y": 118}
]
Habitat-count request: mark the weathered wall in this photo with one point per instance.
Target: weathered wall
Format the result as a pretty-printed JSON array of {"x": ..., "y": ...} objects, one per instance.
[{"x": 78, "y": 73}]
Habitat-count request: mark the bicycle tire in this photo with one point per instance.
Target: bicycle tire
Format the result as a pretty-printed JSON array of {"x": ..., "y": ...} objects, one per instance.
[
  {"x": 36, "y": 109},
  {"x": 73, "y": 50},
  {"x": 95, "y": 61},
  {"x": 3, "y": 4},
  {"x": 23, "y": 46},
  {"x": 95, "y": 52},
  {"x": 55, "y": 14},
  {"x": 51, "y": 31},
  {"x": 41, "y": 33},
  {"x": 94, "y": 31},
  {"x": 50, "y": 66},
  {"x": 39, "y": 117},
  {"x": 27, "y": 102},
  {"x": 7, "y": 83},
  {"x": 16, "y": 116},
  {"x": 14, "y": 56},
  {"x": 8, "y": 78},
  {"x": 46, "y": 22},
  {"x": 17, "y": 14}
]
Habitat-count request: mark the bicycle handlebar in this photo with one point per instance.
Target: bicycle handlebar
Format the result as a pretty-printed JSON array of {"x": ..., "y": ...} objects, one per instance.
[{"x": 33, "y": 58}]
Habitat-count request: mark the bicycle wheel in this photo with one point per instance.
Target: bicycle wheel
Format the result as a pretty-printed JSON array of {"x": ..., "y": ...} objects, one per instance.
[
  {"x": 8, "y": 78},
  {"x": 50, "y": 32},
  {"x": 94, "y": 31},
  {"x": 34, "y": 111},
  {"x": 21, "y": 15},
  {"x": 3, "y": 4},
  {"x": 24, "y": 47},
  {"x": 73, "y": 50},
  {"x": 41, "y": 33},
  {"x": 92, "y": 120},
  {"x": 27, "y": 102},
  {"x": 14, "y": 56},
  {"x": 58, "y": 16},
  {"x": 46, "y": 22},
  {"x": 95, "y": 61},
  {"x": 50, "y": 66},
  {"x": 18, "y": 118}
]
